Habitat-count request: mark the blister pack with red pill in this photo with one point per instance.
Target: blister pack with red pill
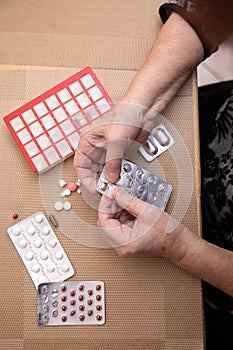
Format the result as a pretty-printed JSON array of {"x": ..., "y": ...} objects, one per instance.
[
  {"x": 139, "y": 183},
  {"x": 158, "y": 142},
  {"x": 47, "y": 129},
  {"x": 71, "y": 303},
  {"x": 40, "y": 249}
]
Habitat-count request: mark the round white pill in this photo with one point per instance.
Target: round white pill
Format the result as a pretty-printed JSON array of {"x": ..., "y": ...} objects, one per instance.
[
  {"x": 39, "y": 218},
  {"x": 46, "y": 230},
  {"x": 38, "y": 243},
  {"x": 67, "y": 206},
  {"x": 23, "y": 243},
  {"x": 67, "y": 192},
  {"x": 31, "y": 230},
  {"x": 62, "y": 183},
  {"x": 36, "y": 268},
  {"x": 79, "y": 191},
  {"x": 62, "y": 195},
  {"x": 29, "y": 256},
  {"x": 44, "y": 255},
  {"x": 52, "y": 243},
  {"x": 16, "y": 231},
  {"x": 58, "y": 206},
  {"x": 59, "y": 255},
  {"x": 65, "y": 268},
  {"x": 50, "y": 267}
]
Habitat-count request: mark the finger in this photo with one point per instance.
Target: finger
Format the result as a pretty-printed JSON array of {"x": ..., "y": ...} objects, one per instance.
[
  {"x": 114, "y": 155},
  {"x": 108, "y": 209},
  {"x": 135, "y": 206}
]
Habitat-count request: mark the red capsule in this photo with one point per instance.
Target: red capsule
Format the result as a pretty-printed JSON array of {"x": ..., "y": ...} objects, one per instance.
[
  {"x": 72, "y": 293},
  {"x": 90, "y": 312},
  {"x": 63, "y": 318},
  {"x": 15, "y": 216},
  {"x": 72, "y": 312},
  {"x": 81, "y": 317},
  {"x": 81, "y": 307},
  {"x": 63, "y": 288}
]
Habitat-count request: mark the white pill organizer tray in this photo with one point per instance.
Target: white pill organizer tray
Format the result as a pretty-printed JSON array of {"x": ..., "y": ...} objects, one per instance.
[{"x": 47, "y": 129}]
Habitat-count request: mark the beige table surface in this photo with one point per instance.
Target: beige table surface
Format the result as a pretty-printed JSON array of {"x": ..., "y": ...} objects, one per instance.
[{"x": 150, "y": 303}]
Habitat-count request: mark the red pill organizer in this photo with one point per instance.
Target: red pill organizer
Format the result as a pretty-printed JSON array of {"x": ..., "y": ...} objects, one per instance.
[
  {"x": 47, "y": 129},
  {"x": 71, "y": 303}
]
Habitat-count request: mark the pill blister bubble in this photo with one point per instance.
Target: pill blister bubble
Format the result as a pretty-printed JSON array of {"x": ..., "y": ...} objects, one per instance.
[
  {"x": 36, "y": 268},
  {"x": 31, "y": 230},
  {"x": 51, "y": 268},
  {"x": 16, "y": 231},
  {"x": 38, "y": 243},
  {"x": 39, "y": 218},
  {"x": 29, "y": 256},
  {"x": 44, "y": 255},
  {"x": 23, "y": 243},
  {"x": 46, "y": 230},
  {"x": 59, "y": 255},
  {"x": 65, "y": 267},
  {"x": 162, "y": 137},
  {"x": 52, "y": 243}
]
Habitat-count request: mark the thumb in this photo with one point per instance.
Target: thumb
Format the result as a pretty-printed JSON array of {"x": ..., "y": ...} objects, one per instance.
[
  {"x": 115, "y": 153},
  {"x": 129, "y": 203}
]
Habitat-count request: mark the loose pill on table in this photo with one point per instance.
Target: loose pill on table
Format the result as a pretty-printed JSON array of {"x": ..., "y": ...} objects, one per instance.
[
  {"x": 58, "y": 206},
  {"x": 72, "y": 186},
  {"x": 62, "y": 183},
  {"x": 53, "y": 220},
  {"x": 67, "y": 206}
]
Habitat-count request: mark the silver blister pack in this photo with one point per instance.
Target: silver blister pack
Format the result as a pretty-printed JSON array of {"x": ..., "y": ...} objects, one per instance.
[
  {"x": 158, "y": 142},
  {"x": 71, "y": 303},
  {"x": 139, "y": 183}
]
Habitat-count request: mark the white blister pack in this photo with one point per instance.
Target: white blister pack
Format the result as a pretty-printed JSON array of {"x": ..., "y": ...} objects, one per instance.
[
  {"x": 71, "y": 303},
  {"x": 40, "y": 249},
  {"x": 157, "y": 143},
  {"x": 139, "y": 183}
]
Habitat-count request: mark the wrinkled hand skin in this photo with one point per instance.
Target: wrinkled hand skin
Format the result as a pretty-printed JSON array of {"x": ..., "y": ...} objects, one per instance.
[
  {"x": 151, "y": 232},
  {"x": 125, "y": 127}
]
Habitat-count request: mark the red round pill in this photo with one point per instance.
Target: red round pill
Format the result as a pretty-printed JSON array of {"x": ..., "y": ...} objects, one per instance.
[
  {"x": 81, "y": 287},
  {"x": 72, "y": 293},
  {"x": 81, "y": 317},
  {"x": 90, "y": 292},
  {"x": 98, "y": 307},
  {"x": 89, "y": 302},
  {"x": 15, "y": 216},
  {"x": 81, "y": 307},
  {"x": 63, "y": 308},
  {"x": 64, "y": 318},
  {"x": 98, "y": 297},
  {"x": 72, "y": 312},
  {"x": 99, "y": 317},
  {"x": 90, "y": 312},
  {"x": 63, "y": 298},
  {"x": 72, "y": 302},
  {"x": 98, "y": 287},
  {"x": 72, "y": 186},
  {"x": 63, "y": 288},
  {"x": 80, "y": 297}
]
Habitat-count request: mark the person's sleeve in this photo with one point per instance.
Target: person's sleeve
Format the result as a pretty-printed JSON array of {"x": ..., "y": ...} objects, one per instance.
[{"x": 211, "y": 19}]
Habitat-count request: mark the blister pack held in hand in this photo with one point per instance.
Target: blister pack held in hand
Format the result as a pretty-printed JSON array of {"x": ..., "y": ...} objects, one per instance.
[{"x": 139, "y": 183}]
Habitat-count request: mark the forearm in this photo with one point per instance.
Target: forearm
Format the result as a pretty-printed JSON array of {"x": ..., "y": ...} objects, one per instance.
[
  {"x": 175, "y": 54},
  {"x": 204, "y": 260}
]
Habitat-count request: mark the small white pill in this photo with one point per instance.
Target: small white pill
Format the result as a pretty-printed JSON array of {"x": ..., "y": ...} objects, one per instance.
[
  {"x": 39, "y": 218},
  {"x": 58, "y": 206},
  {"x": 16, "y": 231},
  {"x": 52, "y": 243},
  {"x": 67, "y": 206},
  {"x": 78, "y": 182},
  {"x": 67, "y": 192},
  {"x": 65, "y": 268},
  {"x": 46, "y": 230},
  {"x": 29, "y": 256},
  {"x": 62, "y": 194},
  {"x": 44, "y": 255},
  {"x": 38, "y": 243},
  {"x": 50, "y": 267},
  {"x": 59, "y": 255},
  {"x": 23, "y": 243},
  {"x": 31, "y": 230},
  {"x": 36, "y": 268},
  {"x": 79, "y": 191},
  {"x": 62, "y": 183}
]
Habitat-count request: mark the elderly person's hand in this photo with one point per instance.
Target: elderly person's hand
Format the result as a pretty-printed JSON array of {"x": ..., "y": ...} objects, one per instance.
[
  {"x": 124, "y": 127},
  {"x": 133, "y": 227}
]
